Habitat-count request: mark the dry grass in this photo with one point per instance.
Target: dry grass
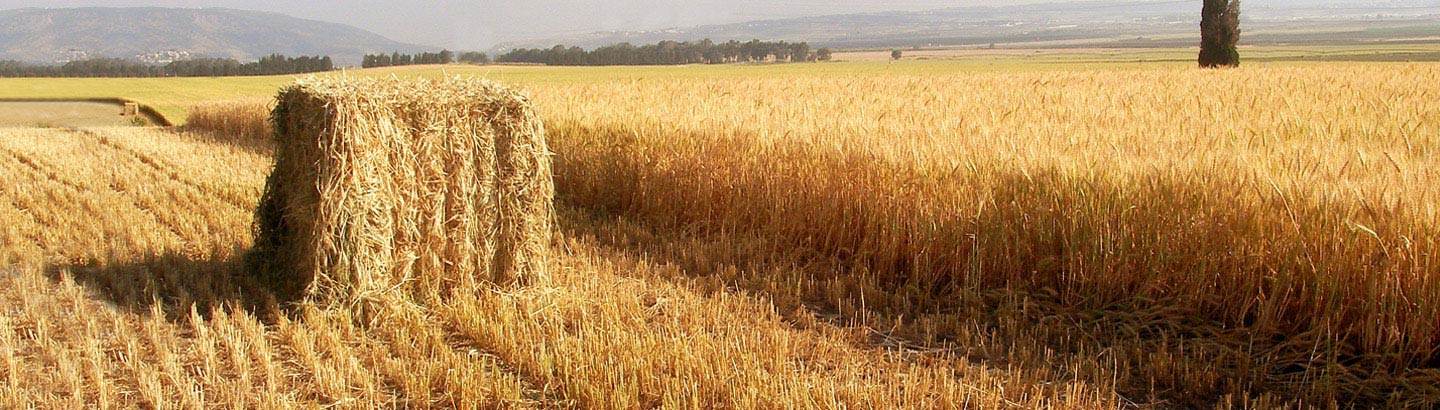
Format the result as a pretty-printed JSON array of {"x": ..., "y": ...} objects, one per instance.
[
  {"x": 128, "y": 294},
  {"x": 241, "y": 121},
  {"x": 1208, "y": 233},
  {"x": 426, "y": 186},
  {"x": 121, "y": 290},
  {"x": 1070, "y": 239}
]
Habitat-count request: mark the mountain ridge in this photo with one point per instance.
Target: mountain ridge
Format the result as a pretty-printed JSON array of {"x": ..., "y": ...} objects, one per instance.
[
  {"x": 1163, "y": 23},
  {"x": 160, "y": 34}
]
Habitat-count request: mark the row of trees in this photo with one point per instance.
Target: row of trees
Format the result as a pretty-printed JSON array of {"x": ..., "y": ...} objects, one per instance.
[
  {"x": 442, "y": 57},
  {"x": 669, "y": 53},
  {"x": 397, "y": 59},
  {"x": 473, "y": 57},
  {"x": 274, "y": 64}
]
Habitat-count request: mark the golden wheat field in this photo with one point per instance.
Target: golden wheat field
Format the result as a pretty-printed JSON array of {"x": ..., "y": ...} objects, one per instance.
[{"x": 1078, "y": 237}]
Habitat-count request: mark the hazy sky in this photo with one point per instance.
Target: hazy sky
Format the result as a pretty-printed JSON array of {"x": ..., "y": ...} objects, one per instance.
[{"x": 481, "y": 23}]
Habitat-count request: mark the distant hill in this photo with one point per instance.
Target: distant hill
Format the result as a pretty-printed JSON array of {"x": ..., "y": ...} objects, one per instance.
[
  {"x": 163, "y": 34},
  {"x": 1125, "y": 23}
]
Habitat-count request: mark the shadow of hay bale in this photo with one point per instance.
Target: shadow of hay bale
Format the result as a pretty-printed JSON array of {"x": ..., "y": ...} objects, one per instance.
[
  {"x": 421, "y": 186},
  {"x": 177, "y": 282}
]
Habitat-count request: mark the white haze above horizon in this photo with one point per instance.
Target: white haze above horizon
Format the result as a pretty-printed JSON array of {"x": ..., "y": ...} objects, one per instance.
[{"x": 480, "y": 24}]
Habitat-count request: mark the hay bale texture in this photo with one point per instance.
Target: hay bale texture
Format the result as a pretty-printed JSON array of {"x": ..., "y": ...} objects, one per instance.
[{"x": 385, "y": 185}]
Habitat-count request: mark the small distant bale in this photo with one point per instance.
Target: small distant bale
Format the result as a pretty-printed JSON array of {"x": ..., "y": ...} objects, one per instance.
[
  {"x": 130, "y": 109},
  {"x": 384, "y": 185}
]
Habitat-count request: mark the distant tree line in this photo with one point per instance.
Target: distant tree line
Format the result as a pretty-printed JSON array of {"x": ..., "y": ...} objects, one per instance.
[
  {"x": 669, "y": 53},
  {"x": 274, "y": 64},
  {"x": 473, "y": 57},
  {"x": 442, "y": 57}
]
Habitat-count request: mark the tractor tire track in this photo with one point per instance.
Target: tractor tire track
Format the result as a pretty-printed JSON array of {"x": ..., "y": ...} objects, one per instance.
[
  {"x": 40, "y": 167},
  {"x": 440, "y": 344},
  {"x": 90, "y": 195},
  {"x": 462, "y": 344},
  {"x": 37, "y": 171},
  {"x": 165, "y": 170},
  {"x": 28, "y": 224},
  {"x": 173, "y": 189}
]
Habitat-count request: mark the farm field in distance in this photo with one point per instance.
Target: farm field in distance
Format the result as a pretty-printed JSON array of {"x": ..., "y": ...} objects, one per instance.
[
  {"x": 1061, "y": 232},
  {"x": 1379, "y": 51},
  {"x": 48, "y": 114},
  {"x": 173, "y": 97}
]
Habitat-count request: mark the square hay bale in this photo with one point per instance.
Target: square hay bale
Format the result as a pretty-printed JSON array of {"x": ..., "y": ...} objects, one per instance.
[{"x": 385, "y": 185}]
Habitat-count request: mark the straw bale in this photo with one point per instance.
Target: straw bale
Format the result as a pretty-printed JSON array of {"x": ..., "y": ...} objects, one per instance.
[{"x": 386, "y": 185}]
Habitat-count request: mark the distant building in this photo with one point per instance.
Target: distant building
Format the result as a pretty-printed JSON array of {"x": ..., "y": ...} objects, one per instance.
[
  {"x": 163, "y": 57},
  {"x": 69, "y": 55}
]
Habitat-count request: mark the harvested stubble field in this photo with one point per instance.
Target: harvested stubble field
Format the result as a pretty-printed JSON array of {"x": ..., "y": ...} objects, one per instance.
[
  {"x": 124, "y": 292},
  {"x": 1088, "y": 237}
]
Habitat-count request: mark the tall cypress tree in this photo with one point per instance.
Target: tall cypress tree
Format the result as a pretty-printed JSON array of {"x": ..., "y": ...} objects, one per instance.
[{"x": 1219, "y": 33}]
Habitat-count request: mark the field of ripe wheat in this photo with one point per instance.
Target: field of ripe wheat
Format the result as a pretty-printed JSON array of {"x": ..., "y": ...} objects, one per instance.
[
  {"x": 862, "y": 236},
  {"x": 122, "y": 290},
  {"x": 1270, "y": 229}
]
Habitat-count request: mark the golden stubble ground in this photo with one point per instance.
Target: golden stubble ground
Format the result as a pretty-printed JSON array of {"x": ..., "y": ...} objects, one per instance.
[
  {"x": 1086, "y": 238},
  {"x": 121, "y": 290}
]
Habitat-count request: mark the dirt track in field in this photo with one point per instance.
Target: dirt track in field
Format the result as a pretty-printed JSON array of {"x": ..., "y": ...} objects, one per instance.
[{"x": 56, "y": 114}]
